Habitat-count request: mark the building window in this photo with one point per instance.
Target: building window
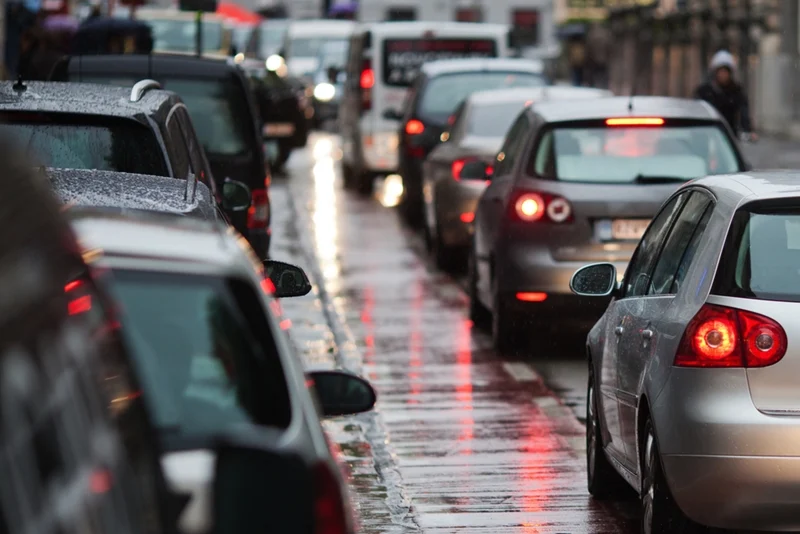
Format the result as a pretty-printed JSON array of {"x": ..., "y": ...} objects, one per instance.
[
  {"x": 525, "y": 27},
  {"x": 469, "y": 14},
  {"x": 401, "y": 13}
]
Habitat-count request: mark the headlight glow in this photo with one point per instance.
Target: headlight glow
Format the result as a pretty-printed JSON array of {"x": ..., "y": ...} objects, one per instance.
[
  {"x": 274, "y": 62},
  {"x": 324, "y": 92}
]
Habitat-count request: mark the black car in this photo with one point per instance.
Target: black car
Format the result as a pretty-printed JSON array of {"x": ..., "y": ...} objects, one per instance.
[
  {"x": 221, "y": 106},
  {"x": 109, "y": 189},
  {"x": 283, "y": 116},
  {"x": 142, "y": 130},
  {"x": 436, "y": 93},
  {"x": 74, "y": 433}
]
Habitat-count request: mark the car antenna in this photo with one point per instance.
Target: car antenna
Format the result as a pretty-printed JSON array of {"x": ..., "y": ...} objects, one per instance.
[{"x": 19, "y": 86}]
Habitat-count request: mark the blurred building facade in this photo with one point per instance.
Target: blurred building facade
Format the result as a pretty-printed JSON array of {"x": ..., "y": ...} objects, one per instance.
[{"x": 663, "y": 47}]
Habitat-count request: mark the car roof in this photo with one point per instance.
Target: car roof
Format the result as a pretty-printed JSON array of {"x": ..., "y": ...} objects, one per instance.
[
  {"x": 130, "y": 238},
  {"x": 752, "y": 185},
  {"x": 169, "y": 13},
  {"x": 623, "y": 106},
  {"x": 449, "y": 66},
  {"x": 417, "y": 28},
  {"x": 517, "y": 94},
  {"x": 320, "y": 27},
  {"x": 176, "y": 64},
  {"x": 91, "y": 187},
  {"x": 83, "y": 98}
]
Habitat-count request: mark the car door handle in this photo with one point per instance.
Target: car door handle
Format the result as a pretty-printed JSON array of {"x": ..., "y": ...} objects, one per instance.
[
  {"x": 619, "y": 330},
  {"x": 647, "y": 334}
]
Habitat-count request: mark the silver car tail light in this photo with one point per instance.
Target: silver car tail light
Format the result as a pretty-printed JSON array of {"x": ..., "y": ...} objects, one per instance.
[
  {"x": 531, "y": 206},
  {"x": 719, "y": 336}
]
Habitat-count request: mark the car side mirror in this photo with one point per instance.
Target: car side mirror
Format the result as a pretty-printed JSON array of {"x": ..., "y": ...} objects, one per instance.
[
  {"x": 475, "y": 170},
  {"x": 235, "y": 196},
  {"x": 342, "y": 393},
  {"x": 260, "y": 487},
  {"x": 289, "y": 280},
  {"x": 595, "y": 280},
  {"x": 392, "y": 115}
]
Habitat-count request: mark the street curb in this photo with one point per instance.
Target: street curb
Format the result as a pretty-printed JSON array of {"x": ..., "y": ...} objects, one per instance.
[{"x": 348, "y": 356}]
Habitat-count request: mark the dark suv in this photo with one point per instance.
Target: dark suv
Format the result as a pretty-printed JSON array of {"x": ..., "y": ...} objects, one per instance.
[
  {"x": 218, "y": 98},
  {"x": 141, "y": 130}
]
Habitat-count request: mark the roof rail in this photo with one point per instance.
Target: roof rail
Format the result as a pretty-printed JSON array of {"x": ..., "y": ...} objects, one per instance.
[{"x": 141, "y": 87}]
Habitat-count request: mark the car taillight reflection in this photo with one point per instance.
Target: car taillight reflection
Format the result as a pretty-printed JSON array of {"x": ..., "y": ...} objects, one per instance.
[
  {"x": 530, "y": 206},
  {"x": 330, "y": 516},
  {"x": 78, "y": 303},
  {"x": 719, "y": 336}
]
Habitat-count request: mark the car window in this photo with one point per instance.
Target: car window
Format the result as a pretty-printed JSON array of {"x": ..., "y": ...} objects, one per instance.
[
  {"x": 630, "y": 154},
  {"x": 220, "y": 113},
  {"x": 514, "y": 140},
  {"x": 403, "y": 58},
  {"x": 637, "y": 276},
  {"x": 761, "y": 258},
  {"x": 197, "y": 160},
  {"x": 691, "y": 250},
  {"x": 86, "y": 142},
  {"x": 493, "y": 120},
  {"x": 171, "y": 35},
  {"x": 676, "y": 244},
  {"x": 180, "y": 152},
  {"x": 443, "y": 93},
  {"x": 204, "y": 369}
]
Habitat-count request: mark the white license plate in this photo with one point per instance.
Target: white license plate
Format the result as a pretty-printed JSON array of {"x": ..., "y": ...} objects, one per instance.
[
  {"x": 279, "y": 129},
  {"x": 628, "y": 229}
]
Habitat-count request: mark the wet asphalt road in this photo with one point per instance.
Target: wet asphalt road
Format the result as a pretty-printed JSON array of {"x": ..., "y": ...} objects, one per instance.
[{"x": 462, "y": 440}]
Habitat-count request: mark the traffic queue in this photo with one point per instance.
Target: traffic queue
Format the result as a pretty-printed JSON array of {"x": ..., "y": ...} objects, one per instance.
[{"x": 632, "y": 220}]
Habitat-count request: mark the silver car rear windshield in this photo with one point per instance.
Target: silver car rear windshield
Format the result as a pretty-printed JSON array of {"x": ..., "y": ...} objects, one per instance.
[
  {"x": 203, "y": 353},
  {"x": 493, "y": 120},
  {"x": 633, "y": 154},
  {"x": 761, "y": 258}
]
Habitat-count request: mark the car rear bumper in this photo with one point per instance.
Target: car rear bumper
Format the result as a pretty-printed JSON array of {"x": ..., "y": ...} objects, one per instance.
[
  {"x": 727, "y": 464},
  {"x": 380, "y": 152},
  {"x": 737, "y": 492}
]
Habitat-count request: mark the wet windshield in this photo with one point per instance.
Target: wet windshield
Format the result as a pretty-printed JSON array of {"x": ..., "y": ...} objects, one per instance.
[
  {"x": 201, "y": 367},
  {"x": 86, "y": 142},
  {"x": 220, "y": 114},
  {"x": 333, "y": 54},
  {"x": 443, "y": 93},
  {"x": 271, "y": 37},
  {"x": 305, "y": 46},
  {"x": 492, "y": 120},
  {"x": 179, "y": 35},
  {"x": 630, "y": 154}
]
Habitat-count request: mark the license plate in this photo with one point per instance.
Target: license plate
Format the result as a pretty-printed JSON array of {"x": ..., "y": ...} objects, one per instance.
[
  {"x": 279, "y": 129},
  {"x": 628, "y": 229}
]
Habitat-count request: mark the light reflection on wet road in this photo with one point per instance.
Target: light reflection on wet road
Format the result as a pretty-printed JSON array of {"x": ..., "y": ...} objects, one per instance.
[{"x": 480, "y": 443}]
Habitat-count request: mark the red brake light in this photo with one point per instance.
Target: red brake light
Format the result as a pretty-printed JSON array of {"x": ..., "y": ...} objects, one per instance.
[
  {"x": 719, "y": 336},
  {"x": 366, "y": 82},
  {"x": 457, "y": 167},
  {"x": 414, "y": 127},
  {"x": 530, "y": 206},
  {"x": 258, "y": 213},
  {"x": 635, "y": 121},
  {"x": 451, "y": 120},
  {"x": 367, "y": 78},
  {"x": 329, "y": 512}
]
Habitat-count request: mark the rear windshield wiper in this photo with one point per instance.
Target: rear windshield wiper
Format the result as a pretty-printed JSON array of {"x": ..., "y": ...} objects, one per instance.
[{"x": 654, "y": 179}]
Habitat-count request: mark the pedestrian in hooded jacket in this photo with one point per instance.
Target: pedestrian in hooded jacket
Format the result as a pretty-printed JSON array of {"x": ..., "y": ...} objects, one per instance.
[{"x": 723, "y": 92}]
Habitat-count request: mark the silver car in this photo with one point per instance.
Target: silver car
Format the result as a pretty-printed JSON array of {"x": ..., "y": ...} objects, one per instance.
[
  {"x": 693, "y": 394},
  {"x": 206, "y": 338},
  {"x": 476, "y": 133},
  {"x": 575, "y": 182}
]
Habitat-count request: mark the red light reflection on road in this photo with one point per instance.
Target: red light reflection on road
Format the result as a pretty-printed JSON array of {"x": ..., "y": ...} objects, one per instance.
[
  {"x": 415, "y": 344},
  {"x": 464, "y": 385},
  {"x": 535, "y": 475},
  {"x": 369, "y": 324}
]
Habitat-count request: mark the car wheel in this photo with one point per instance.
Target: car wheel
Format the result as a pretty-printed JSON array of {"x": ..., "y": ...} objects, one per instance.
[
  {"x": 505, "y": 332},
  {"x": 602, "y": 479},
  {"x": 447, "y": 258},
  {"x": 364, "y": 184},
  {"x": 478, "y": 313},
  {"x": 660, "y": 512}
]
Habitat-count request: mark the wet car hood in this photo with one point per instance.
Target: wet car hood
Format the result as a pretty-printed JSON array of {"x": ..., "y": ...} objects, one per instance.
[{"x": 111, "y": 189}]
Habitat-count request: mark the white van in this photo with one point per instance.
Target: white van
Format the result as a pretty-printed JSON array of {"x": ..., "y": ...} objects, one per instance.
[
  {"x": 384, "y": 58},
  {"x": 304, "y": 39}
]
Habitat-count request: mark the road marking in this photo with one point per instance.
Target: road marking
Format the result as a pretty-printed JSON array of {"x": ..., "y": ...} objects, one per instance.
[{"x": 521, "y": 372}]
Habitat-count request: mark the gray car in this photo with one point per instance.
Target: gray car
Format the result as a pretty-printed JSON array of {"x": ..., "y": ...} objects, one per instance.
[
  {"x": 692, "y": 393},
  {"x": 575, "y": 182},
  {"x": 477, "y": 130}
]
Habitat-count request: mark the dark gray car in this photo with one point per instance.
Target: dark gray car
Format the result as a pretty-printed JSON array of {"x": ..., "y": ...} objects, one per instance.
[{"x": 578, "y": 182}]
